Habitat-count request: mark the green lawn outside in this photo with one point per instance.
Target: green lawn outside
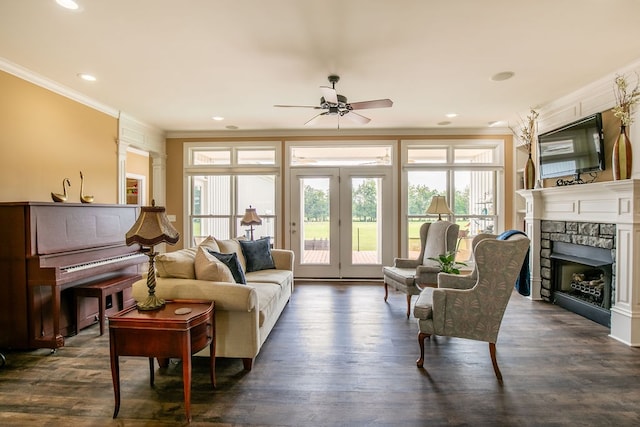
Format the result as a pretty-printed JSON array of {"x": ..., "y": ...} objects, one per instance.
[
  {"x": 364, "y": 234},
  {"x": 367, "y": 233}
]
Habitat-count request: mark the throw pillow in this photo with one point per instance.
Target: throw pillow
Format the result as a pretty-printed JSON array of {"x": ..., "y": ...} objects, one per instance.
[
  {"x": 231, "y": 261},
  {"x": 210, "y": 243},
  {"x": 232, "y": 246},
  {"x": 210, "y": 268},
  {"x": 257, "y": 254},
  {"x": 176, "y": 264}
]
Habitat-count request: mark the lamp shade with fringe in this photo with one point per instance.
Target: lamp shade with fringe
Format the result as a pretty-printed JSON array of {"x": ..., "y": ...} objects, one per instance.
[{"x": 151, "y": 228}]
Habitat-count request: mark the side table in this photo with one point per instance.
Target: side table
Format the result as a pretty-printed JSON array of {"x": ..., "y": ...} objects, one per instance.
[{"x": 162, "y": 334}]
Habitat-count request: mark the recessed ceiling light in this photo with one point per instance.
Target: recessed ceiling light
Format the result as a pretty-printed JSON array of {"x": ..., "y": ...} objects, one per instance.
[
  {"x": 494, "y": 123},
  {"x": 218, "y": 118},
  {"x": 444, "y": 123},
  {"x": 504, "y": 75},
  {"x": 68, "y": 4},
  {"x": 451, "y": 115},
  {"x": 87, "y": 77}
]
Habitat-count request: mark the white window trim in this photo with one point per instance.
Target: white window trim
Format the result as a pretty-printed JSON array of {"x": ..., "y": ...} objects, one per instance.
[
  {"x": 232, "y": 169},
  {"x": 451, "y": 144}
]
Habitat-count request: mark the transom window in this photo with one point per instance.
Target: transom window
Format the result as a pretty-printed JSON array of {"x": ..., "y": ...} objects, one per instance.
[
  {"x": 333, "y": 154},
  {"x": 209, "y": 154}
]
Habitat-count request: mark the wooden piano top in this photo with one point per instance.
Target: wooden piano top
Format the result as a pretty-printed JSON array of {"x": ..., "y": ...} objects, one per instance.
[
  {"x": 51, "y": 236},
  {"x": 51, "y": 228}
]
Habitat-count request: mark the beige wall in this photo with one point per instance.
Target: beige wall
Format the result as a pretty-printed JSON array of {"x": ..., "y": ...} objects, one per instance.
[
  {"x": 46, "y": 137},
  {"x": 174, "y": 185},
  {"x": 509, "y": 184}
]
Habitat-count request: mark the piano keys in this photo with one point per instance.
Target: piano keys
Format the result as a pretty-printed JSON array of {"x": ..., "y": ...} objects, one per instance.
[{"x": 48, "y": 248}]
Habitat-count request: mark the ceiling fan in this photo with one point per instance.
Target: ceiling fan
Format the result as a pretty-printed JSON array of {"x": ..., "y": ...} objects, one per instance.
[{"x": 337, "y": 105}]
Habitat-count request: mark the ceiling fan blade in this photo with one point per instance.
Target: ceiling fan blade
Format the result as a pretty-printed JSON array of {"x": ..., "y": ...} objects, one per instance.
[
  {"x": 378, "y": 103},
  {"x": 299, "y": 106},
  {"x": 314, "y": 119},
  {"x": 357, "y": 118},
  {"x": 330, "y": 95}
]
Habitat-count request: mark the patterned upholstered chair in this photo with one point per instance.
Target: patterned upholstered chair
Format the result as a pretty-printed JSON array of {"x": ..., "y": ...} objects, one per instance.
[
  {"x": 436, "y": 238},
  {"x": 473, "y": 310},
  {"x": 463, "y": 281}
]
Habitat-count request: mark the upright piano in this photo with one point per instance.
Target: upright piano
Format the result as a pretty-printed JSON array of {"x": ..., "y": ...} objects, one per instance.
[{"x": 48, "y": 248}]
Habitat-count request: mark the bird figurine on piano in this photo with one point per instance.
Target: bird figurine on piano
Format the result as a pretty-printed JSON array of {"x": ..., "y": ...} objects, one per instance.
[
  {"x": 57, "y": 197},
  {"x": 83, "y": 198}
]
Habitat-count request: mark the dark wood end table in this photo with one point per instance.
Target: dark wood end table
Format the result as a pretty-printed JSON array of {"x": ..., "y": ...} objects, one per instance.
[{"x": 163, "y": 334}]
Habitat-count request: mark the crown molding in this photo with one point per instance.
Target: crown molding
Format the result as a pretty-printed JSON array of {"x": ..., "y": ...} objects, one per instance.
[{"x": 32, "y": 77}]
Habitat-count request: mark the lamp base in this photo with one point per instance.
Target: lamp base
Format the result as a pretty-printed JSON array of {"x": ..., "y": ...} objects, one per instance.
[{"x": 151, "y": 303}]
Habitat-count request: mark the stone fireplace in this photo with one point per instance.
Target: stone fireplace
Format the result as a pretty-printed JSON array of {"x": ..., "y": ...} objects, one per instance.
[
  {"x": 576, "y": 261},
  {"x": 585, "y": 251}
]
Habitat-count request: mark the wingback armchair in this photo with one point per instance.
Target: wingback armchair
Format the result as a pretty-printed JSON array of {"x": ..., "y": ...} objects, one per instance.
[
  {"x": 473, "y": 310},
  {"x": 463, "y": 281},
  {"x": 436, "y": 238}
]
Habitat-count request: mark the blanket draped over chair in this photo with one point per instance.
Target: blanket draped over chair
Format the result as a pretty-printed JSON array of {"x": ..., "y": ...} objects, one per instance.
[{"x": 523, "y": 282}]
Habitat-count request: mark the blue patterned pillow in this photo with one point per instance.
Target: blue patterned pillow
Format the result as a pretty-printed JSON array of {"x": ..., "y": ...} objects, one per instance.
[
  {"x": 257, "y": 254},
  {"x": 231, "y": 261}
]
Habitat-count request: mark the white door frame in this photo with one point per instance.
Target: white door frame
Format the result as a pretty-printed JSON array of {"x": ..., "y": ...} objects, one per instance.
[{"x": 339, "y": 263}]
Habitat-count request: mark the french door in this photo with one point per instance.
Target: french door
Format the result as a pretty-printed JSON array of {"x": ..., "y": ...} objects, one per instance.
[{"x": 341, "y": 221}]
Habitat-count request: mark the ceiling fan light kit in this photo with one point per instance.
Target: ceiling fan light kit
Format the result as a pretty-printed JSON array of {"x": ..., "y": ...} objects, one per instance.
[{"x": 335, "y": 104}]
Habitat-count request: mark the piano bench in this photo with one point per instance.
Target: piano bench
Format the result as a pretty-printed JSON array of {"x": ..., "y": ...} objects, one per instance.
[{"x": 101, "y": 290}]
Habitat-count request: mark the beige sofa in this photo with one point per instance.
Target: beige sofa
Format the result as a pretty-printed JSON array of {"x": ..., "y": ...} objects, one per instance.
[{"x": 245, "y": 313}]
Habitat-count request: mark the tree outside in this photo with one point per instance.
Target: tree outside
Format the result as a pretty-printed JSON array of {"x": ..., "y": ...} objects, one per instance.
[{"x": 364, "y": 210}]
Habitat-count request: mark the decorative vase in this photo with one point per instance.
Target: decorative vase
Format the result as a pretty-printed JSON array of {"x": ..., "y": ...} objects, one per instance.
[
  {"x": 622, "y": 157},
  {"x": 529, "y": 174}
]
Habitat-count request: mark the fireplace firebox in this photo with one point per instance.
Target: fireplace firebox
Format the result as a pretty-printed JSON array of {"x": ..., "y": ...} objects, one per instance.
[{"x": 581, "y": 280}]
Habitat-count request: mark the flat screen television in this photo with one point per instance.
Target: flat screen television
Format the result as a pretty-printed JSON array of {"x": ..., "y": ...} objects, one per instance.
[{"x": 572, "y": 149}]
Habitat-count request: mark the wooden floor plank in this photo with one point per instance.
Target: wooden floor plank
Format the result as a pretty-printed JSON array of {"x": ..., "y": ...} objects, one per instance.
[{"x": 341, "y": 356}]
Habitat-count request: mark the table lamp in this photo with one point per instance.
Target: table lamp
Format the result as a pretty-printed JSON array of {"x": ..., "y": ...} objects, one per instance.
[
  {"x": 439, "y": 206},
  {"x": 152, "y": 227},
  {"x": 251, "y": 218}
]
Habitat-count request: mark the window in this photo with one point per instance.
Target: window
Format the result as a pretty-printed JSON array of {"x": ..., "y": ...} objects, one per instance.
[
  {"x": 332, "y": 154},
  {"x": 466, "y": 173},
  {"x": 223, "y": 182},
  {"x": 210, "y": 157}
]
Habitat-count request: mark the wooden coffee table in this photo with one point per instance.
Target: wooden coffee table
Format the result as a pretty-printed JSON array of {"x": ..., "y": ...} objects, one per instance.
[{"x": 162, "y": 334}]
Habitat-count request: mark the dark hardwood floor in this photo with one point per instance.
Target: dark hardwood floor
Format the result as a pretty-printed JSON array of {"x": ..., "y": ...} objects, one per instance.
[{"x": 340, "y": 356}]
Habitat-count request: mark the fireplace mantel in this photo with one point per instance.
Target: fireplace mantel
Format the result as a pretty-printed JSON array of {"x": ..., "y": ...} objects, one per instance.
[{"x": 614, "y": 202}]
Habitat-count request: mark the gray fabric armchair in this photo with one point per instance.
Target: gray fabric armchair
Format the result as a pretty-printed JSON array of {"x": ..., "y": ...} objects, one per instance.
[
  {"x": 473, "y": 309},
  {"x": 407, "y": 274}
]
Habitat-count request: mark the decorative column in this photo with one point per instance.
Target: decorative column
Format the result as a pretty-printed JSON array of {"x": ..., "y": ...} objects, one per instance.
[
  {"x": 122, "y": 172},
  {"x": 159, "y": 180},
  {"x": 532, "y": 219},
  {"x": 625, "y": 313}
]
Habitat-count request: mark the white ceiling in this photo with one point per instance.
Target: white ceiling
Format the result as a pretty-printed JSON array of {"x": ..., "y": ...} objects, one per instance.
[{"x": 175, "y": 64}]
